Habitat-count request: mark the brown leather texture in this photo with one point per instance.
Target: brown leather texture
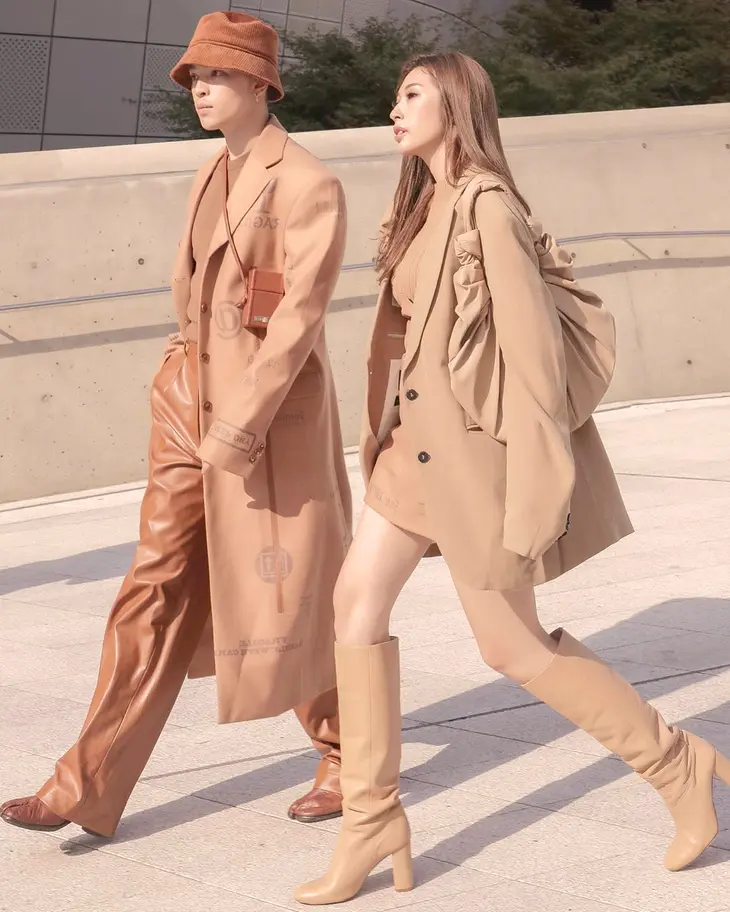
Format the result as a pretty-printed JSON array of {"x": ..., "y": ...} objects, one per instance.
[
  {"x": 31, "y": 814},
  {"x": 319, "y": 719},
  {"x": 155, "y": 624},
  {"x": 156, "y": 621},
  {"x": 316, "y": 806}
]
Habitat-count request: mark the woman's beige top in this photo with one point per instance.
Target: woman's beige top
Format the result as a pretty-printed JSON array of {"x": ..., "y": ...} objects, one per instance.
[
  {"x": 209, "y": 212},
  {"x": 405, "y": 275}
]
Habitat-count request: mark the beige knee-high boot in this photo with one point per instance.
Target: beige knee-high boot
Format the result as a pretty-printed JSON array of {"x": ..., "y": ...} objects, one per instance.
[
  {"x": 374, "y": 824},
  {"x": 678, "y": 764}
]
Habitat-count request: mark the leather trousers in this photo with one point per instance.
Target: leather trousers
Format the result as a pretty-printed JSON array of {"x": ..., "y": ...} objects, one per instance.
[{"x": 156, "y": 624}]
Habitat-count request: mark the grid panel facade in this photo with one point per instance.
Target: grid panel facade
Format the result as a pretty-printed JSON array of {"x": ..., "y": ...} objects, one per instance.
[
  {"x": 159, "y": 60},
  {"x": 23, "y": 78},
  {"x": 128, "y": 108}
]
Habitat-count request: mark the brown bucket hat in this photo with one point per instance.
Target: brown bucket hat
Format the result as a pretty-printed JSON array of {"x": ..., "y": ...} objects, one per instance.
[{"x": 233, "y": 41}]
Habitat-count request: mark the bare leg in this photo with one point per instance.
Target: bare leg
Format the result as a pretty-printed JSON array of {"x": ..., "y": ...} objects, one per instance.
[
  {"x": 508, "y": 632},
  {"x": 581, "y": 687},
  {"x": 381, "y": 559},
  {"x": 379, "y": 563}
]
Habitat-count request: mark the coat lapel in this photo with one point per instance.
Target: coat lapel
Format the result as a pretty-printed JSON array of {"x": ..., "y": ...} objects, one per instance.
[
  {"x": 184, "y": 263},
  {"x": 256, "y": 175},
  {"x": 384, "y": 366},
  {"x": 430, "y": 274},
  {"x": 387, "y": 340}
]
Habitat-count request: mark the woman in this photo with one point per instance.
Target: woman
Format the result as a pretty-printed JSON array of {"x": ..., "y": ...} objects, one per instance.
[{"x": 478, "y": 440}]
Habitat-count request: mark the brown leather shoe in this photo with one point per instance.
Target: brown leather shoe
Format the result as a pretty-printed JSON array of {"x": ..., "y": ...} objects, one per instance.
[
  {"x": 317, "y": 806},
  {"x": 31, "y": 814}
]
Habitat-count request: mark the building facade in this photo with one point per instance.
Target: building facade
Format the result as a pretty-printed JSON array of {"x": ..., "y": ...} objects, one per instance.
[{"x": 79, "y": 73}]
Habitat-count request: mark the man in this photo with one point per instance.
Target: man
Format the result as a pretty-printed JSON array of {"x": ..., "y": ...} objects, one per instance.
[{"x": 247, "y": 515}]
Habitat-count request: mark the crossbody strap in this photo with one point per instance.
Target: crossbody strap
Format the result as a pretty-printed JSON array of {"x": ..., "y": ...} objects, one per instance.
[{"x": 227, "y": 221}]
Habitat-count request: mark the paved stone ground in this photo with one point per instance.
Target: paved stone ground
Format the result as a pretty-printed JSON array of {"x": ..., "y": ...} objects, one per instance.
[{"x": 512, "y": 808}]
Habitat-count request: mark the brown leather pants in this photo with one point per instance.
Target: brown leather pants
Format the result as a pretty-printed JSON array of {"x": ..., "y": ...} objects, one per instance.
[{"x": 156, "y": 624}]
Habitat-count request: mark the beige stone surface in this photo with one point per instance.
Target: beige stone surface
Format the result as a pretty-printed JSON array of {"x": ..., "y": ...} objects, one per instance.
[
  {"x": 93, "y": 222},
  {"x": 636, "y": 881},
  {"x": 512, "y": 809}
]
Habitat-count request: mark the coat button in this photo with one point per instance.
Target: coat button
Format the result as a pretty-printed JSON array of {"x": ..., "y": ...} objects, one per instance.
[
  {"x": 424, "y": 457},
  {"x": 203, "y": 308},
  {"x": 567, "y": 527},
  {"x": 207, "y": 406},
  {"x": 411, "y": 394},
  {"x": 205, "y": 358},
  {"x": 256, "y": 455}
]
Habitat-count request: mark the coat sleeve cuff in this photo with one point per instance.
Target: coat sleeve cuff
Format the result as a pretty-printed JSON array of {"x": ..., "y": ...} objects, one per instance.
[
  {"x": 533, "y": 541},
  {"x": 231, "y": 449}
]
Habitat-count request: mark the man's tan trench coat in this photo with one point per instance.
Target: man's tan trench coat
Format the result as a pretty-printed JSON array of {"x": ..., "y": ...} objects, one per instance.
[
  {"x": 277, "y": 499},
  {"x": 517, "y": 489}
]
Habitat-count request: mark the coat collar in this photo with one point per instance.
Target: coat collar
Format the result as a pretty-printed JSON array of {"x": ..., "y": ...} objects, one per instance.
[
  {"x": 266, "y": 152},
  {"x": 185, "y": 264},
  {"x": 384, "y": 354}
]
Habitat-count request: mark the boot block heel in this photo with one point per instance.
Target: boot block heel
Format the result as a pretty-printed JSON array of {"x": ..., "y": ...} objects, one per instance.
[
  {"x": 403, "y": 870},
  {"x": 722, "y": 768}
]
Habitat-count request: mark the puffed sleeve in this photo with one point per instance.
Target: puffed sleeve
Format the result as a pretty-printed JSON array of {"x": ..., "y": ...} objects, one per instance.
[{"x": 540, "y": 467}]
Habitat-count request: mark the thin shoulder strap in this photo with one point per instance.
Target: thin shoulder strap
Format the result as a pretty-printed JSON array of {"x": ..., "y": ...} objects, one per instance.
[{"x": 226, "y": 219}]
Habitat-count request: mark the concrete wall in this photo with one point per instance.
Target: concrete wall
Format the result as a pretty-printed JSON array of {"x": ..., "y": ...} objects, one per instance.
[{"x": 86, "y": 223}]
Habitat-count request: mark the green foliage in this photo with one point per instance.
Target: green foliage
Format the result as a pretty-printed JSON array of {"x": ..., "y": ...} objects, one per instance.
[
  {"x": 177, "y": 112},
  {"x": 339, "y": 81},
  {"x": 557, "y": 56},
  {"x": 547, "y": 57}
]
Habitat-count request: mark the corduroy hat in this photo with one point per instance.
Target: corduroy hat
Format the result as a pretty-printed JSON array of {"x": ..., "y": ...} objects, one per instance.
[{"x": 233, "y": 41}]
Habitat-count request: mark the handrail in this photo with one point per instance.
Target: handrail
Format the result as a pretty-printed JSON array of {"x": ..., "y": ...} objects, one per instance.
[
  {"x": 634, "y": 235},
  {"x": 355, "y": 267}
]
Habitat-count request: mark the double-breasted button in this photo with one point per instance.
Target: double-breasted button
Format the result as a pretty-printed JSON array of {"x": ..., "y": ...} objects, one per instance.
[
  {"x": 203, "y": 308},
  {"x": 207, "y": 406},
  {"x": 424, "y": 457},
  {"x": 205, "y": 358},
  {"x": 411, "y": 394}
]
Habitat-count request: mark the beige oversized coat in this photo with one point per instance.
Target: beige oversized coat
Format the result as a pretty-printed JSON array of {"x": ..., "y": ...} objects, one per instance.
[
  {"x": 516, "y": 489},
  {"x": 277, "y": 499}
]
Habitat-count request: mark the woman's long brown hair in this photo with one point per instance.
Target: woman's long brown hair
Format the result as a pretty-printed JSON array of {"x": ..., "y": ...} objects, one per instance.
[{"x": 473, "y": 143}]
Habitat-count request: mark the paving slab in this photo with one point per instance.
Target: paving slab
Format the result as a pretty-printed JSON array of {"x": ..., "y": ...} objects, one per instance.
[
  {"x": 637, "y": 881},
  {"x": 511, "y": 807}
]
